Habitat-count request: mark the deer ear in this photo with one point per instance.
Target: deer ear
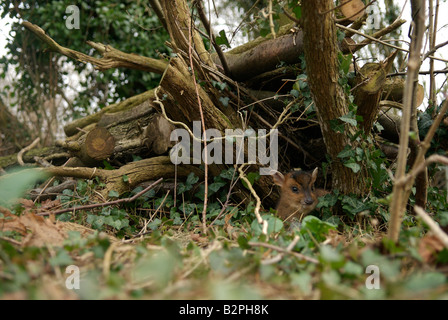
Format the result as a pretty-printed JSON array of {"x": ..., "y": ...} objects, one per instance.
[
  {"x": 314, "y": 175},
  {"x": 278, "y": 177}
]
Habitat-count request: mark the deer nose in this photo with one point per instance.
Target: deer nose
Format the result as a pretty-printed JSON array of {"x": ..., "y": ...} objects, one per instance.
[{"x": 309, "y": 200}]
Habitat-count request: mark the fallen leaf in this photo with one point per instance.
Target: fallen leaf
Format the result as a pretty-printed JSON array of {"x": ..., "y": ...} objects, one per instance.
[
  {"x": 27, "y": 203},
  {"x": 197, "y": 237},
  {"x": 44, "y": 231},
  {"x": 428, "y": 248},
  {"x": 10, "y": 222},
  {"x": 48, "y": 204},
  {"x": 38, "y": 230}
]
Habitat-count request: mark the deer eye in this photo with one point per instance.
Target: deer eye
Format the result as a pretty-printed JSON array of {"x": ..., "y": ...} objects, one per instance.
[{"x": 294, "y": 189}]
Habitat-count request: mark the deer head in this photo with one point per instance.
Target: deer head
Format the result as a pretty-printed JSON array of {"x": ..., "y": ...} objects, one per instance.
[{"x": 297, "y": 197}]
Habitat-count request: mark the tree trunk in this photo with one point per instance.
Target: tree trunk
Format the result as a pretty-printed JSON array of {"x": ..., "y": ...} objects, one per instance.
[{"x": 329, "y": 97}]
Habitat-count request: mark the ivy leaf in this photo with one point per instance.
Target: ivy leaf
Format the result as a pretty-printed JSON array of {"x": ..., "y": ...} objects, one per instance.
[
  {"x": 302, "y": 80},
  {"x": 192, "y": 179},
  {"x": 274, "y": 225},
  {"x": 330, "y": 256},
  {"x": 251, "y": 176},
  {"x": 353, "y": 205},
  {"x": 222, "y": 39},
  {"x": 113, "y": 194},
  {"x": 349, "y": 119},
  {"x": 318, "y": 227},
  {"x": 224, "y": 101},
  {"x": 297, "y": 11},
  {"x": 346, "y": 153},
  {"x": 227, "y": 174},
  {"x": 354, "y": 166},
  {"x": 344, "y": 62},
  {"x": 294, "y": 93},
  {"x": 61, "y": 259},
  {"x": 153, "y": 225},
  {"x": 215, "y": 186}
]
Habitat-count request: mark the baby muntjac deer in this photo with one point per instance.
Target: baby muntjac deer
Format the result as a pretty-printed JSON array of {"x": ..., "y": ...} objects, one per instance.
[{"x": 297, "y": 197}]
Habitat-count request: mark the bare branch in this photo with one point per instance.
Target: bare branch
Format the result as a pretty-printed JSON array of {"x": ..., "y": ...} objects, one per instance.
[
  {"x": 401, "y": 192},
  {"x": 112, "y": 58},
  {"x": 438, "y": 232},
  {"x": 21, "y": 152}
]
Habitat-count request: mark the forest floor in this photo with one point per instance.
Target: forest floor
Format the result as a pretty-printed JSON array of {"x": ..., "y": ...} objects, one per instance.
[{"x": 152, "y": 249}]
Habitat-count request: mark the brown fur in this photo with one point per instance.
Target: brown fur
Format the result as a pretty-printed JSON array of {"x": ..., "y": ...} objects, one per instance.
[{"x": 298, "y": 197}]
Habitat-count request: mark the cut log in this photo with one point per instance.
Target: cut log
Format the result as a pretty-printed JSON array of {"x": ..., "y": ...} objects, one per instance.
[
  {"x": 136, "y": 130},
  {"x": 156, "y": 136},
  {"x": 73, "y": 127},
  {"x": 369, "y": 85},
  {"x": 351, "y": 10},
  {"x": 393, "y": 90},
  {"x": 99, "y": 145}
]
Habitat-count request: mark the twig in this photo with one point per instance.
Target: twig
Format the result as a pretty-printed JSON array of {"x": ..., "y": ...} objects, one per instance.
[
  {"x": 142, "y": 233},
  {"x": 438, "y": 232},
  {"x": 233, "y": 183},
  {"x": 96, "y": 205},
  {"x": 21, "y": 152},
  {"x": 373, "y": 37},
  {"x": 207, "y": 26},
  {"x": 420, "y": 73},
  {"x": 112, "y": 58},
  {"x": 432, "y": 130},
  {"x": 282, "y": 118},
  {"x": 435, "y": 158},
  {"x": 14, "y": 242},
  {"x": 190, "y": 51},
  {"x": 432, "y": 30},
  {"x": 264, "y": 223},
  {"x": 283, "y": 250},
  {"x": 271, "y": 20},
  {"x": 108, "y": 258},
  {"x": 434, "y": 49},
  {"x": 279, "y": 256},
  {"x": 48, "y": 183},
  {"x": 159, "y": 12},
  {"x": 400, "y": 191},
  {"x": 378, "y": 34},
  {"x": 270, "y": 16}
]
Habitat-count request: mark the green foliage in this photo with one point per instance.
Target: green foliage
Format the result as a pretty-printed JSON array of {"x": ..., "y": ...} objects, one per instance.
[
  {"x": 166, "y": 256},
  {"x": 425, "y": 120},
  {"x": 222, "y": 39},
  {"x": 158, "y": 267},
  {"x": 14, "y": 185},
  {"x": 113, "y": 217},
  {"x": 191, "y": 179},
  {"x": 235, "y": 260},
  {"x": 125, "y": 26},
  {"x": 344, "y": 62},
  {"x": 275, "y": 225},
  {"x": 252, "y": 177},
  {"x": 316, "y": 228}
]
